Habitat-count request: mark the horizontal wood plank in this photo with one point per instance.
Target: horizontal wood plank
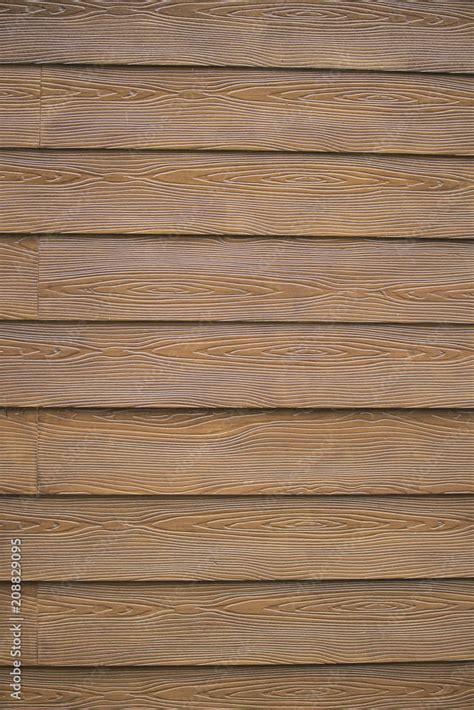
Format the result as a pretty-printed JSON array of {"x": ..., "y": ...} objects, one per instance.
[
  {"x": 18, "y": 451},
  {"x": 20, "y": 106},
  {"x": 393, "y": 34},
  {"x": 235, "y": 365},
  {"x": 18, "y": 278},
  {"x": 11, "y": 636},
  {"x": 236, "y": 193},
  {"x": 116, "y": 107},
  {"x": 149, "y": 278},
  {"x": 385, "y": 687},
  {"x": 242, "y": 624},
  {"x": 240, "y": 452},
  {"x": 240, "y": 539}
]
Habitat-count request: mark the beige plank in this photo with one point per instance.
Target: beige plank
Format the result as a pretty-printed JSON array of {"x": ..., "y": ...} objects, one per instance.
[
  {"x": 18, "y": 631},
  {"x": 365, "y": 687},
  {"x": 140, "y": 452},
  {"x": 235, "y": 365},
  {"x": 18, "y": 278},
  {"x": 120, "y": 107},
  {"x": 393, "y": 34},
  {"x": 20, "y": 115},
  {"x": 248, "y": 624},
  {"x": 237, "y": 538},
  {"x": 219, "y": 279},
  {"x": 236, "y": 193},
  {"x": 18, "y": 451}
]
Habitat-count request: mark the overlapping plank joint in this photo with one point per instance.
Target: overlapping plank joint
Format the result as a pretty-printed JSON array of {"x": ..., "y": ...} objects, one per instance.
[{"x": 236, "y": 305}]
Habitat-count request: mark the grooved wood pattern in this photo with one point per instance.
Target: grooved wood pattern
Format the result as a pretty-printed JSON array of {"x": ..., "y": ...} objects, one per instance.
[
  {"x": 27, "y": 618},
  {"x": 240, "y": 539},
  {"x": 236, "y": 193},
  {"x": 432, "y": 686},
  {"x": 116, "y": 107},
  {"x": 19, "y": 106},
  {"x": 18, "y": 451},
  {"x": 18, "y": 277},
  {"x": 234, "y": 365},
  {"x": 239, "y": 452},
  {"x": 242, "y": 624},
  {"x": 146, "y": 278},
  {"x": 369, "y": 34},
  {"x": 235, "y": 427}
]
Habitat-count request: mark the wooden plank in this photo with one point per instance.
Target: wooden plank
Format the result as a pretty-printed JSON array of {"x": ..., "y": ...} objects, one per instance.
[
  {"x": 240, "y": 452},
  {"x": 20, "y": 106},
  {"x": 18, "y": 631},
  {"x": 148, "y": 278},
  {"x": 245, "y": 624},
  {"x": 235, "y": 365},
  {"x": 365, "y": 687},
  {"x": 18, "y": 451},
  {"x": 236, "y": 193},
  {"x": 18, "y": 278},
  {"x": 240, "y": 538},
  {"x": 118, "y": 107},
  {"x": 393, "y": 34}
]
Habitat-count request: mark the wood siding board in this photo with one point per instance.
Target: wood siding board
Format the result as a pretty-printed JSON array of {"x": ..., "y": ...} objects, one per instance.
[
  {"x": 434, "y": 686},
  {"x": 236, "y": 193},
  {"x": 116, "y": 107},
  {"x": 229, "y": 365},
  {"x": 270, "y": 452},
  {"x": 190, "y": 278},
  {"x": 29, "y": 622},
  {"x": 19, "y": 106},
  {"x": 18, "y": 278},
  {"x": 393, "y": 34},
  {"x": 241, "y": 538},
  {"x": 18, "y": 451},
  {"x": 248, "y": 624}
]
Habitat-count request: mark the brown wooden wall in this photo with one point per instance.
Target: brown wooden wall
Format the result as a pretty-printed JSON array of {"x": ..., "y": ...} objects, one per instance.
[{"x": 236, "y": 371}]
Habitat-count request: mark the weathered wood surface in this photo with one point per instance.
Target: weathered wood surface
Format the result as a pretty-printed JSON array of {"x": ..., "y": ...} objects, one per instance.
[
  {"x": 18, "y": 451},
  {"x": 20, "y": 115},
  {"x": 18, "y": 278},
  {"x": 235, "y": 365},
  {"x": 240, "y": 538},
  {"x": 235, "y": 193},
  {"x": 242, "y": 624},
  {"x": 172, "y": 278},
  {"x": 433, "y": 686},
  {"x": 240, "y": 452},
  {"x": 116, "y": 107},
  {"x": 393, "y": 34}
]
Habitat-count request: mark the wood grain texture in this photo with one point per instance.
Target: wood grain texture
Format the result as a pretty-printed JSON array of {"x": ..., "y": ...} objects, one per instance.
[
  {"x": 234, "y": 365},
  {"x": 240, "y": 538},
  {"x": 431, "y": 686},
  {"x": 148, "y": 278},
  {"x": 18, "y": 451},
  {"x": 18, "y": 278},
  {"x": 27, "y": 618},
  {"x": 242, "y": 624},
  {"x": 19, "y": 106},
  {"x": 393, "y": 34},
  {"x": 240, "y": 452},
  {"x": 236, "y": 193},
  {"x": 116, "y": 107}
]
